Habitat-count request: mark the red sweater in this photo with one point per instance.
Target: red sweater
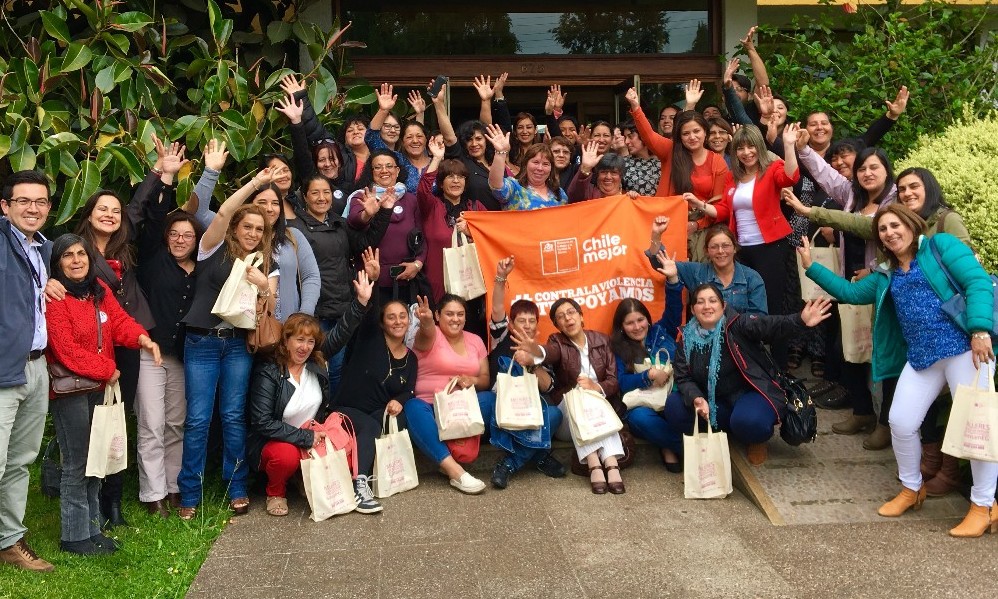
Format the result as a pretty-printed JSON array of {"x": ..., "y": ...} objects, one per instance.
[
  {"x": 765, "y": 202},
  {"x": 72, "y": 332}
]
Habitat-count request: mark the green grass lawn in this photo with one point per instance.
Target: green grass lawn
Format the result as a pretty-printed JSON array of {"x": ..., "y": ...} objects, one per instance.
[{"x": 157, "y": 558}]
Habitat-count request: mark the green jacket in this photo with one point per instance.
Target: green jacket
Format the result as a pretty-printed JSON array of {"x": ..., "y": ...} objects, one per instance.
[
  {"x": 890, "y": 350},
  {"x": 862, "y": 226}
]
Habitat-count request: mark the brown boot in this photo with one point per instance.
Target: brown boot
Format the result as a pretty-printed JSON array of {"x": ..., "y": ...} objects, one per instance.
[
  {"x": 879, "y": 439},
  {"x": 978, "y": 521},
  {"x": 932, "y": 459},
  {"x": 757, "y": 453},
  {"x": 855, "y": 424},
  {"x": 946, "y": 480},
  {"x": 905, "y": 500}
]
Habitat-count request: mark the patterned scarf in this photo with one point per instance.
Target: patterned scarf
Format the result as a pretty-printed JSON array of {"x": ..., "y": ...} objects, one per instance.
[{"x": 696, "y": 338}]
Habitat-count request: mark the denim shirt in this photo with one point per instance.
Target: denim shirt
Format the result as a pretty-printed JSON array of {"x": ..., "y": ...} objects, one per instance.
[
  {"x": 746, "y": 293},
  {"x": 661, "y": 335}
]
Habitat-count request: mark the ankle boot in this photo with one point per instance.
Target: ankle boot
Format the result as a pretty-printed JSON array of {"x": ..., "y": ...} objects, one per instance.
[
  {"x": 855, "y": 424},
  {"x": 947, "y": 478},
  {"x": 978, "y": 521},
  {"x": 880, "y": 438},
  {"x": 905, "y": 500},
  {"x": 113, "y": 516},
  {"x": 932, "y": 459}
]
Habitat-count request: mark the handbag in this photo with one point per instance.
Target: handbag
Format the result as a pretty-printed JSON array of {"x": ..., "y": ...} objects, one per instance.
[
  {"x": 394, "y": 460},
  {"x": 457, "y": 412},
  {"x": 857, "y": 332},
  {"x": 706, "y": 464},
  {"x": 518, "y": 401},
  {"x": 972, "y": 429},
  {"x": 652, "y": 397},
  {"x": 590, "y": 416},
  {"x": 328, "y": 484},
  {"x": 340, "y": 432},
  {"x": 267, "y": 333},
  {"x": 464, "y": 451},
  {"x": 462, "y": 271},
  {"x": 825, "y": 256},
  {"x": 63, "y": 382},
  {"x": 956, "y": 306},
  {"x": 52, "y": 470},
  {"x": 800, "y": 423},
  {"x": 236, "y": 301},
  {"x": 108, "y": 450}
]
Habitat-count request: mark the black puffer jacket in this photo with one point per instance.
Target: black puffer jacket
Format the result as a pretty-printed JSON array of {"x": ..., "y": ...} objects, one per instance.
[
  {"x": 270, "y": 393},
  {"x": 314, "y": 131},
  {"x": 744, "y": 336}
]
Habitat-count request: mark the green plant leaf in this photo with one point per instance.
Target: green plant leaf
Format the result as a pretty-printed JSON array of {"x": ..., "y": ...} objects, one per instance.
[
  {"x": 78, "y": 189},
  {"x": 76, "y": 57},
  {"x": 59, "y": 142},
  {"x": 112, "y": 74},
  {"x": 276, "y": 76},
  {"x": 278, "y": 31},
  {"x": 55, "y": 26},
  {"x": 68, "y": 165},
  {"x": 117, "y": 41},
  {"x": 132, "y": 21},
  {"x": 361, "y": 94},
  {"x": 127, "y": 158},
  {"x": 182, "y": 125},
  {"x": 89, "y": 13},
  {"x": 4, "y": 145},
  {"x": 233, "y": 119},
  {"x": 22, "y": 159}
]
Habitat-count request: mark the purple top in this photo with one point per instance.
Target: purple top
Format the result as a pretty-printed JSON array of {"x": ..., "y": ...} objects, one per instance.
[{"x": 394, "y": 247}]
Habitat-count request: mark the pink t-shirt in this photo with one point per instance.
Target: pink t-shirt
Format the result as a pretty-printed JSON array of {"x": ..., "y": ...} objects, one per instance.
[{"x": 439, "y": 365}]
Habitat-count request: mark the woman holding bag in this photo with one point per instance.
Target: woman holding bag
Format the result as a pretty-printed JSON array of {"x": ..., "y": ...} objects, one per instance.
[
  {"x": 292, "y": 391},
  {"x": 215, "y": 355},
  {"x": 446, "y": 353},
  {"x": 582, "y": 358},
  {"x": 724, "y": 373},
  {"x": 83, "y": 330},
  {"x": 520, "y": 447},
  {"x": 636, "y": 342},
  {"x": 913, "y": 336}
]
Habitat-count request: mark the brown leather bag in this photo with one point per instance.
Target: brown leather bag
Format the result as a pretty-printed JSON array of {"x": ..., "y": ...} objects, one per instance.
[
  {"x": 63, "y": 382},
  {"x": 267, "y": 334}
]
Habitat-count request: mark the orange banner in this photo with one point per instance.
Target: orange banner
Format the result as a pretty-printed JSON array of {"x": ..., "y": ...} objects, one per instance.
[{"x": 592, "y": 252}]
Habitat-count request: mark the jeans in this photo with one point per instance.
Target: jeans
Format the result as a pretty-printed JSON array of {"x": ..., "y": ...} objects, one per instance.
[
  {"x": 646, "y": 423},
  {"x": 22, "y": 421},
  {"x": 749, "y": 419},
  {"x": 160, "y": 411},
  {"x": 79, "y": 495},
  {"x": 423, "y": 424},
  {"x": 334, "y": 363},
  {"x": 522, "y": 454},
  {"x": 210, "y": 363}
]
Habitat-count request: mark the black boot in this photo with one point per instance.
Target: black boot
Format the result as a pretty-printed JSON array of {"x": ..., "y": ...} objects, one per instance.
[{"x": 111, "y": 516}]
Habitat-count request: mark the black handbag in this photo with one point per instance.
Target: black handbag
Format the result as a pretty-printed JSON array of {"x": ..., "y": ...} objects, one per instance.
[
  {"x": 51, "y": 470},
  {"x": 800, "y": 423}
]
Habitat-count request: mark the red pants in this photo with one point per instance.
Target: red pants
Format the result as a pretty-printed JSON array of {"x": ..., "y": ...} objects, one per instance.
[{"x": 280, "y": 461}]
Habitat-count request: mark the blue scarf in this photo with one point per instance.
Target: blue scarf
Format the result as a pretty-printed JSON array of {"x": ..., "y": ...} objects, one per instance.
[{"x": 697, "y": 338}]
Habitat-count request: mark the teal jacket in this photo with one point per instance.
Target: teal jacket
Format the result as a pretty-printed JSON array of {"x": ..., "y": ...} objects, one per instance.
[{"x": 890, "y": 350}]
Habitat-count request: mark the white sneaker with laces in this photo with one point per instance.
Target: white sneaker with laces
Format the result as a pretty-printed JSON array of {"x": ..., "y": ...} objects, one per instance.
[
  {"x": 366, "y": 503},
  {"x": 468, "y": 484}
]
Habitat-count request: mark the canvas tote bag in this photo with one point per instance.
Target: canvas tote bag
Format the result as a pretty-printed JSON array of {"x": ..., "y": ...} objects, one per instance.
[
  {"x": 857, "y": 332},
  {"x": 108, "y": 451},
  {"x": 651, "y": 397},
  {"x": 518, "y": 401},
  {"x": 394, "y": 460},
  {"x": 706, "y": 464},
  {"x": 236, "y": 302},
  {"x": 590, "y": 416},
  {"x": 462, "y": 272},
  {"x": 827, "y": 257},
  {"x": 457, "y": 412},
  {"x": 328, "y": 484},
  {"x": 972, "y": 429}
]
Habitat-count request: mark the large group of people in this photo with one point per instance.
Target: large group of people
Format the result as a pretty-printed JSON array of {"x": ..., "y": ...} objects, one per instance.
[{"x": 345, "y": 240}]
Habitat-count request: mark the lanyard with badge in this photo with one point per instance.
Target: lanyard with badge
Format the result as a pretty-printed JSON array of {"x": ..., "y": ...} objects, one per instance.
[{"x": 34, "y": 273}]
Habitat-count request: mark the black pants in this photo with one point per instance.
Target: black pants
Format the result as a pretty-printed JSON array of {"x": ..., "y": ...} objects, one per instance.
[{"x": 777, "y": 265}]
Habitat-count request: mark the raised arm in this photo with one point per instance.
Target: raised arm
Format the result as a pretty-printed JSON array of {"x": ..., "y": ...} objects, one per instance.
[
  {"x": 200, "y": 205},
  {"x": 386, "y": 101},
  {"x": 758, "y": 66},
  {"x": 483, "y": 85},
  {"x": 736, "y": 110},
  {"x": 427, "y": 332},
  {"x": 830, "y": 180},
  {"x": 347, "y": 324},
  {"x": 443, "y": 119},
  {"x": 790, "y": 133},
  {"x": 657, "y": 144},
  {"x": 215, "y": 232},
  {"x": 499, "y": 141},
  {"x": 882, "y": 125},
  {"x": 503, "y": 269}
]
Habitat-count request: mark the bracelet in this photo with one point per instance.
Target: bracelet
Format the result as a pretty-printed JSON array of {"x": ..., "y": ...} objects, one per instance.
[
  {"x": 981, "y": 335},
  {"x": 500, "y": 279},
  {"x": 157, "y": 171},
  {"x": 267, "y": 294},
  {"x": 502, "y": 153}
]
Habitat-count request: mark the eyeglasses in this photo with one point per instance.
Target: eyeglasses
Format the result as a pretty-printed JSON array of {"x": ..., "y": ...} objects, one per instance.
[
  {"x": 383, "y": 167},
  {"x": 175, "y": 235},
  {"x": 715, "y": 247},
  {"x": 391, "y": 127},
  {"x": 37, "y": 202},
  {"x": 565, "y": 315},
  {"x": 319, "y": 142}
]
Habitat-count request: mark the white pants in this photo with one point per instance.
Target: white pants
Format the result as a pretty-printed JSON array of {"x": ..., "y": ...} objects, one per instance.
[
  {"x": 915, "y": 392},
  {"x": 160, "y": 411},
  {"x": 608, "y": 447}
]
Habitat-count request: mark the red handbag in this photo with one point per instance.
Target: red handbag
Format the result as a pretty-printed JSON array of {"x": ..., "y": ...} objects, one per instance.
[
  {"x": 465, "y": 451},
  {"x": 339, "y": 430}
]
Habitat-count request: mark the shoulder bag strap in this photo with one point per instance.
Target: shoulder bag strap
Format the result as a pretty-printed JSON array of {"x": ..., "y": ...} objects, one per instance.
[{"x": 939, "y": 260}]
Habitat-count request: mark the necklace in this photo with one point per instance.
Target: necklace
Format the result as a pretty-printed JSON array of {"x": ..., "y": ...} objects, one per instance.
[{"x": 393, "y": 369}]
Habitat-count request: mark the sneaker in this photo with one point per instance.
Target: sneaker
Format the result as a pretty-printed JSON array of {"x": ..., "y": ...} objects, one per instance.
[
  {"x": 550, "y": 466},
  {"x": 468, "y": 484},
  {"x": 21, "y": 556},
  {"x": 85, "y": 547},
  {"x": 366, "y": 503},
  {"x": 501, "y": 473}
]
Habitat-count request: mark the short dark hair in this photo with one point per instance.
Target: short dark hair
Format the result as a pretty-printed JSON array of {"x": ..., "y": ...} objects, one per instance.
[
  {"x": 561, "y": 301},
  {"x": 523, "y": 306},
  {"x": 450, "y": 297},
  {"x": 610, "y": 162},
  {"x": 20, "y": 177},
  {"x": 627, "y": 125},
  {"x": 366, "y": 178},
  {"x": 742, "y": 81},
  {"x": 91, "y": 283},
  {"x": 934, "y": 199}
]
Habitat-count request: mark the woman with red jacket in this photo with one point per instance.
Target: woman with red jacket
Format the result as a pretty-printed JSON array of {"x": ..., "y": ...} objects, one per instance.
[
  {"x": 83, "y": 330},
  {"x": 750, "y": 206}
]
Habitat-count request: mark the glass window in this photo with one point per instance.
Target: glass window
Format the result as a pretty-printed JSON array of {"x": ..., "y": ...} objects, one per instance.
[{"x": 447, "y": 28}]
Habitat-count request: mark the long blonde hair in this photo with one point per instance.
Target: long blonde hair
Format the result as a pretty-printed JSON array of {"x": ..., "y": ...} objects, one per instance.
[{"x": 749, "y": 135}]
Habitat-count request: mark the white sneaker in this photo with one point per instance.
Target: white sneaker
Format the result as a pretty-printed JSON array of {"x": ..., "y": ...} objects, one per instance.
[{"x": 468, "y": 484}]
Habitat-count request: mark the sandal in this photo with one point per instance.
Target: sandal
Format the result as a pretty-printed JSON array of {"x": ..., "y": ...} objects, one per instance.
[
  {"x": 599, "y": 487},
  {"x": 794, "y": 357},
  {"x": 818, "y": 367},
  {"x": 187, "y": 513},
  {"x": 277, "y": 506},
  {"x": 240, "y": 506},
  {"x": 616, "y": 488}
]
